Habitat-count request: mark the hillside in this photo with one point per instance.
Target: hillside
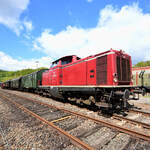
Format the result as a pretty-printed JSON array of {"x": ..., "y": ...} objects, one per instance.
[
  {"x": 7, "y": 75},
  {"x": 142, "y": 64}
]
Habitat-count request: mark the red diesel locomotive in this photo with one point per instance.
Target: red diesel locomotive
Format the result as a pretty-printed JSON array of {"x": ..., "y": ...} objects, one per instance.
[{"x": 103, "y": 79}]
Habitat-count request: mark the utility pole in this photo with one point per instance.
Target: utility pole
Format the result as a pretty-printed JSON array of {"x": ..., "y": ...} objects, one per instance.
[{"x": 37, "y": 62}]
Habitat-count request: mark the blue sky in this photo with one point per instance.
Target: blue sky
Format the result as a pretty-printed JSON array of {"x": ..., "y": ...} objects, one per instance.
[{"x": 36, "y": 30}]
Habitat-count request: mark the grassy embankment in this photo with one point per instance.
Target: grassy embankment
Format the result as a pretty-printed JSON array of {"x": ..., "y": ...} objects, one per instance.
[{"x": 7, "y": 75}]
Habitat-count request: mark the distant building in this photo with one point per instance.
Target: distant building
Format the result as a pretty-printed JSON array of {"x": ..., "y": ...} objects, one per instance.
[{"x": 139, "y": 69}]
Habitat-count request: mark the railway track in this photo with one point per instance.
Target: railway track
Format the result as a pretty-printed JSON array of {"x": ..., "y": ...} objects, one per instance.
[
  {"x": 31, "y": 111},
  {"x": 63, "y": 120},
  {"x": 134, "y": 122},
  {"x": 22, "y": 131},
  {"x": 140, "y": 112}
]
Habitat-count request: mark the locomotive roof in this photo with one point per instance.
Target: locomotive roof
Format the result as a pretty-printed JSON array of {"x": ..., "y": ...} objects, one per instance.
[
  {"x": 111, "y": 50},
  {"x": 69, "y": 58}
]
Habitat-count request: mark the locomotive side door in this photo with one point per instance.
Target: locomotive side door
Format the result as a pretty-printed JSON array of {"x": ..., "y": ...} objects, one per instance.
[
  {"x": 60, "y": 76},
  {"x": 54, "y": 76},
  {"x": 54, "y": 73},
  {"x": 91, "y": 72}
]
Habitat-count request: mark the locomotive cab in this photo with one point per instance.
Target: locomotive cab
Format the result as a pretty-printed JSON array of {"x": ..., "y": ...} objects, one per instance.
[{"x": 65, "y": 60}]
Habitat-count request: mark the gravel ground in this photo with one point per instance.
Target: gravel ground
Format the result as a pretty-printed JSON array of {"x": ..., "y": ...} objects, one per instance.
[
  {"x": 22, "y": 132},
  {"x": 100, "y": 138},
  {"x": 143, "y": 99},
  {"x": 143, "y": 104},
  {"x": 119, "y": 142}
]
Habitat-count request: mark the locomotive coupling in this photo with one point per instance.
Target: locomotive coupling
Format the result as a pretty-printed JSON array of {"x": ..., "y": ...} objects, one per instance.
[{"x": 140, "y": 91}]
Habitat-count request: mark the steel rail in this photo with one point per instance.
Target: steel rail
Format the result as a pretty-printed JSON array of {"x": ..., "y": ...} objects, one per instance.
[
  {"x": 140, "y": 112},
  {"x": 105, "y": 123},
  {"x": 73, "y": 138},
  {"x": 145, "y": 125}
]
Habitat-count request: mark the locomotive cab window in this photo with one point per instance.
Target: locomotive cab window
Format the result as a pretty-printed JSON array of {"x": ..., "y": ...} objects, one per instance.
[
  {"x": 66, "y": 60},
  {"x": 54, "y": 64}
]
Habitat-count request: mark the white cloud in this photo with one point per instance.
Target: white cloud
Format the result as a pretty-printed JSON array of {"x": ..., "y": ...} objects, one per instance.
[
  {"x": 10, "y": 11},
  {"x": 126, "y": 28},
  {"x": 9, "y": 63},
  {"x": 28, "y": 25}
]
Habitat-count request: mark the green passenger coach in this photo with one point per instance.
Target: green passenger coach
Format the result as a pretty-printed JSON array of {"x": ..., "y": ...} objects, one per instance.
[
  {"x": 32, "y": 81},
  {"x": 15, "y": 83}
]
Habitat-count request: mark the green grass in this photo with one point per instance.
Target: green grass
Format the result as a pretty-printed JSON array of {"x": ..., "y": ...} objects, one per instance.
[{"x": 7, "y": 75}]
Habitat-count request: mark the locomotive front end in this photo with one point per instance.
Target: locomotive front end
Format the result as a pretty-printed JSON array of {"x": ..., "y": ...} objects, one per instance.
[
  {"x": 113, "y": 76},
  {"x": 123, "y": 69}
]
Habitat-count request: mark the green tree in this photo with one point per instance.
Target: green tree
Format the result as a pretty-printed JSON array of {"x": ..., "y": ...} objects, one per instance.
[{"x": 142, "y": 64}]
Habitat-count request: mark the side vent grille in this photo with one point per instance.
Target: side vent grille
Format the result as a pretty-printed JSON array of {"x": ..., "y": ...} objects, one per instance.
[
  {"x": 123, "y": 69},
  {"x": 118, "y": 68},
  {"x": 101, "y": 70}
]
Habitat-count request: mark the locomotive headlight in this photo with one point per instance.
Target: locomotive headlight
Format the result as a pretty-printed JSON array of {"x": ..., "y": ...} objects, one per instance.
[{"x": 115, "y": 77}]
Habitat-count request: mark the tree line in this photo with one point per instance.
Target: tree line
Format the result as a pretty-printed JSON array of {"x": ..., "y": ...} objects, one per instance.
[
  {"x": 8, "y": 75},
  {"x": 142, "y": 64}
]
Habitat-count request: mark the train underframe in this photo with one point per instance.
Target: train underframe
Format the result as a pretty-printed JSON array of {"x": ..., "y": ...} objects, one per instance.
[{"x": 103, "y": 98}]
